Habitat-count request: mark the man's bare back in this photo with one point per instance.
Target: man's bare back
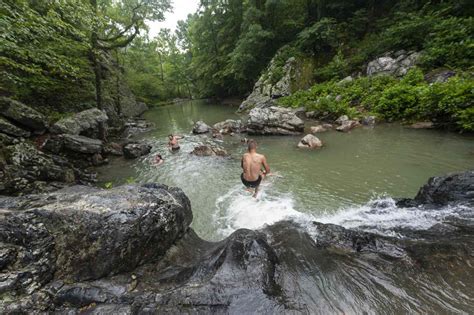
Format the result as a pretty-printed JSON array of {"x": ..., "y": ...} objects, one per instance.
[{"x": 252, "y": 164}]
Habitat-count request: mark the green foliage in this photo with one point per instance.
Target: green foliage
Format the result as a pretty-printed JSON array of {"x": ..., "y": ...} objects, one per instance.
[
  {"x": 448, "y": 104},
  {"x": 108, "y": 185}
]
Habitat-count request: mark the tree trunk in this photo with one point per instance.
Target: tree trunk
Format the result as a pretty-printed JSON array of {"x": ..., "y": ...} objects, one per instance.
[{"x": 97, "y": 70}]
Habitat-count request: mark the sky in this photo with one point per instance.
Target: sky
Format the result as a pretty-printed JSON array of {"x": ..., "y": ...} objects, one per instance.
[{"x": 181, "y": 9}]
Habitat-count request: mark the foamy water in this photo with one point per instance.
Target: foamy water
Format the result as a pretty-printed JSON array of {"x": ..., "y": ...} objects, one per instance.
[{"x": 237, "y": 209}]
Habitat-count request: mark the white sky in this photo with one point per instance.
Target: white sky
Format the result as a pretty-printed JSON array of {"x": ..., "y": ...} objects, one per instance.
[{"x": 181, "y": 9}]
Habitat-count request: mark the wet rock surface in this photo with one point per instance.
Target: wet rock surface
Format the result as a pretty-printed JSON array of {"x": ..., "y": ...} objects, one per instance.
[
  {"x": 274, "y": 121},
  {"x": 209, "y": 150},
  {"x": 310, "y": 142},
  {"x": 129, "y": 250},
  {"x": 135, "y": 150},
  {"x": 201, "y": 127},
  {"x": 230, "y": 126},
  {"x": 10, "y": 129}
]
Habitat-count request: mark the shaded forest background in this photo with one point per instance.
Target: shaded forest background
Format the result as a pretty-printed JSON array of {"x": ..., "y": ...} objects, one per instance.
[{"x": 56, "y": 54}]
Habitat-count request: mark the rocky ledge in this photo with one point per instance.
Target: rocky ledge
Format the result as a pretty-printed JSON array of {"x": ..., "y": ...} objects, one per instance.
[{"x": 130, "y": 250}]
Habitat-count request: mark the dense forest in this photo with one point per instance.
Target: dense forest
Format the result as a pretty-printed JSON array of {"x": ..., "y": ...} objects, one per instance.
[{"x": 65, "y": 55}]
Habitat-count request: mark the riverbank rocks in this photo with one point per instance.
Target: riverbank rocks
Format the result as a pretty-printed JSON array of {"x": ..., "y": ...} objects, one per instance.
[
  {"x": 368, "y": 121},
  {"x": 23, "y": 115},
  {"x": 201, "y": 127},
  {"x": 230, "y": 126},
  {"x": 135, "y": 150},
  {"x": 85, "y": 122},
  {"x": 130, "y": 250},
  {"x": 82, "y": 144},
  {"x": 28, "y": 170},
  {"x": 12, "y": 130},
  {"x": 348, "y": 125},
  {"x": 310, "y": 142},
  {"x": 321, "y": 128},
  {"x": 209, "y": 150},
  {"x": 396, "y": 64},
  {"x": 422, "y": 125},
  {"x": 274, "y": 121}
]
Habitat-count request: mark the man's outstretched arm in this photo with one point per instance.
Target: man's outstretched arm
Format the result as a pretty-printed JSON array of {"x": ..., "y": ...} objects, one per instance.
[{"x": 265, "y": 165}]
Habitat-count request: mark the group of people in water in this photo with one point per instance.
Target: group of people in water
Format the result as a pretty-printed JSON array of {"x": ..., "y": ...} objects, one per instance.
[{"x": 254, "y": 165}]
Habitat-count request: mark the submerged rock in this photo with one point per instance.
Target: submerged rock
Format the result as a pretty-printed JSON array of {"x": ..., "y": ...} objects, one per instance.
[
  {"x": 201, "y": 127},
  {"x": 208, "y": 150},
  {"x": 23, "y": 115},
  {"x": 130, "y": 250},
  {"x": 347, "y": 125},
  {"x": 274, "y": 121},
  {"x": 83, "y": 122},
  {"x": 310, "y": 142},
  {"x": 320, "y": 128},
  {"x": 422, "y": 125},
  {"x": 135, "y": 150}
]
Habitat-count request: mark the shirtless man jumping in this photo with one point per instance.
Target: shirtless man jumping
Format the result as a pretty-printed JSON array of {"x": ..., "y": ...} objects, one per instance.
[{"x": 252, "y": 164}]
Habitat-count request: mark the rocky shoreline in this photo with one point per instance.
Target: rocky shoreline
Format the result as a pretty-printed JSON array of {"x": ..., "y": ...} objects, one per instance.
[
  {"x": 38, "y": 157},
  {"x": 130, "y": 250}
]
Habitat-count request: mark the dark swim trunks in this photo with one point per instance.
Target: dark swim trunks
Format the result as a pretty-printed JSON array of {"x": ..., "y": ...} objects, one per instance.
[
  {"x": 253, "y": 184},
  {"x": 175, "y": 148}
]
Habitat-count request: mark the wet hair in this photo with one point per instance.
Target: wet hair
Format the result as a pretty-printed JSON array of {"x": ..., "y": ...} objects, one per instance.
[
  {"x": 170, "y": 135},
  {"x": 159, "y": 155},
  {"x": 252, "y": 144}
]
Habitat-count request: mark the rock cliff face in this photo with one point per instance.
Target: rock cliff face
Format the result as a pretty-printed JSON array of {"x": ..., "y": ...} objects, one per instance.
[
  {"x": 129, "y": 250},
  {"x": 272, "y": 85}
]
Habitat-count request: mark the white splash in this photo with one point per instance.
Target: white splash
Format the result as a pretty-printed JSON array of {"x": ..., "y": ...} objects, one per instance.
[{"x": 238, "y": 209}]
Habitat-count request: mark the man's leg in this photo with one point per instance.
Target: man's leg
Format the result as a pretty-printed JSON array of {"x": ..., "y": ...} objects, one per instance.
[{"x": 256, "y": 192}]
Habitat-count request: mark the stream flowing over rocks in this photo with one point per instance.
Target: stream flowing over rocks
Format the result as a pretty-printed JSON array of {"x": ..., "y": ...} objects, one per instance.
[{"x": 129, "y": 250}]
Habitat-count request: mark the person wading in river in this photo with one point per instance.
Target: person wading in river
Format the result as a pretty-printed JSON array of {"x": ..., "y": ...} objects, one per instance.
[
  {"x": 252, "y": 164},
  {"x": 173, "y": 143}
]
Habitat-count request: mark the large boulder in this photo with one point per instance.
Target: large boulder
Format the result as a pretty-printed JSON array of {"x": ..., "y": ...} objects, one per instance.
[
  {"x": 456, "y": 187},
  {"x": 83, "y": 122},
  {"x": 396, "y": 64},
  {"x": 209, "y": 150},
  {"x": 201, "y": 127},
  {"x": 81, "y": 144},
  {"x": 12, "y": 130},
  {"x": 23, "y": 115},
  {"x": 229, "y": 126},
  {"x": 274, "y": 121},
  {"x": 82, "y": 233},
  {"x": 29, "y": 170},
  {"x": 310, "y": 142},
  {"x": 135, "y": 150}
]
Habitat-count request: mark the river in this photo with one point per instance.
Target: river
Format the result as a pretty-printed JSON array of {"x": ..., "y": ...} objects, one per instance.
[{"x": 331, "y": 185}]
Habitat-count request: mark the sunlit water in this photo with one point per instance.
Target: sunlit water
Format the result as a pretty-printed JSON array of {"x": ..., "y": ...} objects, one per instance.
[{"x": 333, "y": 185}]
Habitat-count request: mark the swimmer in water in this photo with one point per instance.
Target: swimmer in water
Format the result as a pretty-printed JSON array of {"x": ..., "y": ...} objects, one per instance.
[
  {"x": 173, "y": 143},
  {"x": 252, "y": 164},
  {"x": 159, "y": 160}
]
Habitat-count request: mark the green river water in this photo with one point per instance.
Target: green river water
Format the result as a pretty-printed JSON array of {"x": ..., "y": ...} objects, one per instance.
[{"x": 330, "y": 185}]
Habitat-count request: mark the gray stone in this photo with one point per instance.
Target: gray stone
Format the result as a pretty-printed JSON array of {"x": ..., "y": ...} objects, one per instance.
[
  {"x": 135, "y": 150},
  {"x": 310, "y": 142},
  {"x": 229, "y": 126},
  {"x": 81, "y": 122},
  {"x": 347, "y": 125},
  {"x": 396, "y": 64},
  {"x": 318, "y": 129},
  {"x": 439, "y": 75},
  {"x": 342, "y": 119},
  {"x": 265, "y": 90},
  {"x": 23, "y": 115},
  {"x": 81, "y": 144},
  {"x": 209, "y": 150},
  {"x": 6, "y": 139},
  {"x": 112, "y": 148},
  {"x": 368, "y": 121},
  {"x": 201, "y": 127},
  {"x": 274, "y": 121},
  {"x": 422, "y": 125},
  {"x": 12, "y": 130}
]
